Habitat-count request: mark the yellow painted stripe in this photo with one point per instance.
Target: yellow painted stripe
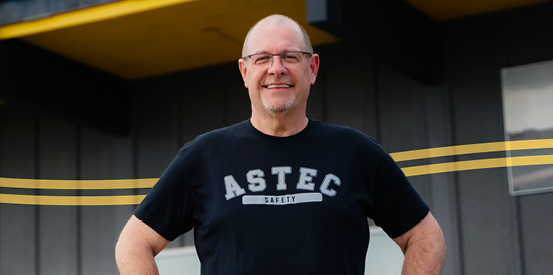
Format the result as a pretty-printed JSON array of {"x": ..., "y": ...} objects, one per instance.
[
  {"x": 83, "y": 16},
  {"x": 71, "y": 200},
  {"x": 77, "y": 184},
  {"x": 476, "y": 164},
  {"x": 401, "y": 156},
  {"x": 472, "y": 149},
  {"x": 409, "y": 172}
]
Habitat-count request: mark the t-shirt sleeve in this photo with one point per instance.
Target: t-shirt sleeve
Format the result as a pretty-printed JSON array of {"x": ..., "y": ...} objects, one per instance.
[
  {"x": 398, "y": 207},
  {"x": 169, "y": 206}
]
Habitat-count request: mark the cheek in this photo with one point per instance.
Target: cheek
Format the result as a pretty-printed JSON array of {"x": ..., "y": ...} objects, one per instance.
[{"x": 252, "y": 79}]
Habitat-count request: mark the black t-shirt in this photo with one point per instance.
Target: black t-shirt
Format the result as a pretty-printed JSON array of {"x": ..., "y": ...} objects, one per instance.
[{"x": 261, "y": 204}]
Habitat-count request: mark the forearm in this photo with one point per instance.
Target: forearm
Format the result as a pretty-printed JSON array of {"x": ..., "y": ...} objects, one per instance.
[
  {"x": 423, "y": 247},
  {"x": 136, "y": 248},
  {"x": 134, "y": 260},
  {"x": 427, "y": 259}
]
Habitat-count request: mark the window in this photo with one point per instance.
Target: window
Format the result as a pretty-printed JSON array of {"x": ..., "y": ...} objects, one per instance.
[{"x": 528, "y": 116}]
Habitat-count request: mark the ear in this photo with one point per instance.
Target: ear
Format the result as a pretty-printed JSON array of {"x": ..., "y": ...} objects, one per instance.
[
  {"x": 314, "y": 68},
  {"x": 243, "y": 71}
]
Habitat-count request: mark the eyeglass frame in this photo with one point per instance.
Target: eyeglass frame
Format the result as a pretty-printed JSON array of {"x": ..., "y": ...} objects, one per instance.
[{"x": 277, "y": 54}]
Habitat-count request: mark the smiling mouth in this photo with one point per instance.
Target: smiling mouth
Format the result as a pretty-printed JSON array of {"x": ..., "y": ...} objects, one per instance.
[{"x": 278, "y": 86}]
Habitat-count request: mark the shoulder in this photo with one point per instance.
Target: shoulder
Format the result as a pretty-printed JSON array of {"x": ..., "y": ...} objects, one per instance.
[
  {"x": 213, "y": 141},
  {"x": 346, "y": 134},
  {"x": 348, "y": 142},
  {"x": 218, "y": 135}
]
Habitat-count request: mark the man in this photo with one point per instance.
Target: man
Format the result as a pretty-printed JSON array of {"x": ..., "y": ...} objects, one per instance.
[{"x": 281, "y": 193}]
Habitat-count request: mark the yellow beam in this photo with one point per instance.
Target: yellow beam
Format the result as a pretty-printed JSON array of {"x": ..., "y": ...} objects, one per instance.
[{"x": 83, "y": 16}]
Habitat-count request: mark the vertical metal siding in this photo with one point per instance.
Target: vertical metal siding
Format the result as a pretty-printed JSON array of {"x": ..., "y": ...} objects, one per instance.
[
  {"x": 18, "y": 230},
  {"x": 487, "y": 231},
  {"x": 58, "y": 226}
]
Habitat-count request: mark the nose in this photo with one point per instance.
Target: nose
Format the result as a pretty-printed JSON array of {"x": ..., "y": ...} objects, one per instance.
[{"x": 277, "y": 67}]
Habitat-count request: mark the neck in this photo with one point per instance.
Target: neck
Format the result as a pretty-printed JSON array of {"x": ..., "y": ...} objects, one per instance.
[{"x": 279, "y": 124}]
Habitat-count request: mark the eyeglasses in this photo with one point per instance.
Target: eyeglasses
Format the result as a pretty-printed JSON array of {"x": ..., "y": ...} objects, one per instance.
[{"x": 288, "y": 57}]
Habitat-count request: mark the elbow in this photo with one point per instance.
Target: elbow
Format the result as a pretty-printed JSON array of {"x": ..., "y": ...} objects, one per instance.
[
  {"x": 435, "y": 248},
  {"x": 120, "y": 248}
]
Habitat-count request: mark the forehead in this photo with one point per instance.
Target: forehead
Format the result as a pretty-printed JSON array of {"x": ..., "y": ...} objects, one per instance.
[{"x": 275, "y": 37}]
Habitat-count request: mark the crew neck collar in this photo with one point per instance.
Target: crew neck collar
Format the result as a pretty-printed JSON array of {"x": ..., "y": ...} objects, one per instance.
[{"x": 275, "y": 139}]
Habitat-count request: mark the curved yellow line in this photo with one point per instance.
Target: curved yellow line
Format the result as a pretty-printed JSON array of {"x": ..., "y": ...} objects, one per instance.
[
  {"x": 77, "y": 184},
  {"x": 400, "y": 156},
  {"x": 472, "y": 149},
  {"x": 476, "y": 164},
  {"x": 71, "y": 200}
]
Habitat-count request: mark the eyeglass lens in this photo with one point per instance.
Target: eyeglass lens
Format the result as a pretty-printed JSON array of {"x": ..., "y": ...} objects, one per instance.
[{"x": 285, "y": 58}]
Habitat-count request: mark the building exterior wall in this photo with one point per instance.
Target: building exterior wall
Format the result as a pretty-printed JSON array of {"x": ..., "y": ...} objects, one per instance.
[
  {"x": 498, "y": 233},
  {"x": 12, "y": 11},
  {"x": 487, "y": 230}
]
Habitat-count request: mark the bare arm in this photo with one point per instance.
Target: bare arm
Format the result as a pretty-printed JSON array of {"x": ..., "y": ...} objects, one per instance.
[
  {"x": 136, "y": 248},
  {"x": 423, "y": 247}
]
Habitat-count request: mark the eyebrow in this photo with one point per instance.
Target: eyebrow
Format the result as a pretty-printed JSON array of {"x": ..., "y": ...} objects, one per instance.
[{"x": 280, "y": 52}]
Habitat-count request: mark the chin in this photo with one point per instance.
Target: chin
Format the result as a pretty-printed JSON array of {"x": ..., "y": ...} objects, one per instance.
[{"x": 278, "y": 108}]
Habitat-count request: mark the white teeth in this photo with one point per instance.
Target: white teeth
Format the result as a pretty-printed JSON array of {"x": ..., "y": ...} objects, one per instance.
[{"x": 278, "y": 86}]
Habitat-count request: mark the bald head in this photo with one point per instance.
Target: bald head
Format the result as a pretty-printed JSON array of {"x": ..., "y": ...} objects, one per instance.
[{"x": 281, "y": 20}]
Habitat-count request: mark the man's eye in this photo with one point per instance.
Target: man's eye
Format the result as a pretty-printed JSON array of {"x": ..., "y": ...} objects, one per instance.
[
  {"x": 261, "y": 59},
  {"x": 289, "y": 58}
]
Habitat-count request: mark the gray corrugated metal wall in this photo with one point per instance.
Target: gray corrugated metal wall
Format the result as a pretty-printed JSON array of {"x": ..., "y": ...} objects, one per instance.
[
  {"x": 487, "y": 231},
  {"x": 498, "y": 234},
  {"x": 59, "y": 239},
  {"x": 16, "y": 10}
]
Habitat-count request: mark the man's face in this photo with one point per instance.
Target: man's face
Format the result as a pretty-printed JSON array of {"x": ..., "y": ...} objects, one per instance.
[{"x": 280, "y": 86}]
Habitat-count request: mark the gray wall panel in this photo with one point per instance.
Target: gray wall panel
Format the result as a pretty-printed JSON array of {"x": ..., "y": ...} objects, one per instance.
[
  {"x": 154, "y": 125},
  {"x": 536, "y": 213},
  {"x": 402, "y": 111},
  {"x": 122, "y": 157},
  {"x": 14, "y": 11},
  {"x": 238, "y": 107},
  {"x": 155, "y": 129},
  {"x": 17, "y": 239},
  {"x": 58, "y": 225},
  {"x": 57, "y": 149},
  {"x": 101, "y": 158},
  {"x": 316, "y": 104},
  {"x": 18, "y": 143},
  {"x": 18, "y": 254},
  {"x": 473, "y": 80},
  {"x": 444, "y": 203},
  {"x": 487, "y": 220},
  {"x": 100, "y": 228},
  {"x": 526, "y": 36},
  {"x": 476, "y": 49},
  {"x": 202, "y": 109},
  {"x": 489, "y": 239},
  {"x": 402, "y": 118},
  {"x": 529, "y": 39},
  {"x": 235, "y": 97},
  {"x": 349, "y": 88}
]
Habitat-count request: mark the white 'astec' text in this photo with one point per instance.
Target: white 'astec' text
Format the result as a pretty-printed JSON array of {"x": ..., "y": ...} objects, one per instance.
[{"x": 257, "y": 183}]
